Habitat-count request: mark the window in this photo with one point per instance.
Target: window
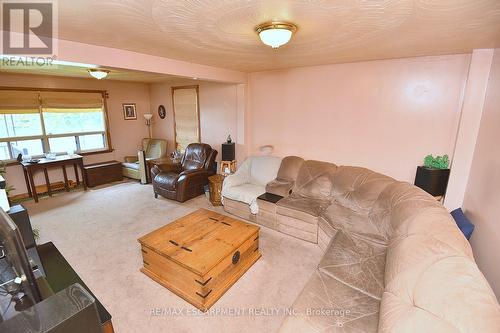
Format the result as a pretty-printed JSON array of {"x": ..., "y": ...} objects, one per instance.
[{"x": 33, "y": 123}]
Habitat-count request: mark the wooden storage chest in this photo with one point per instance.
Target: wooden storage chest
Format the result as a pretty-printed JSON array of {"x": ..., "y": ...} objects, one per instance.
[
  {"x": 200, "y": 256},
  {"x": 102, "y": 173}
]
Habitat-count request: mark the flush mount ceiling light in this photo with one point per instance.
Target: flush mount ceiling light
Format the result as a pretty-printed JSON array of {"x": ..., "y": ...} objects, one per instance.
[
  {"x": 275, "y": 34},
  {"x": 98, "y": 73}
]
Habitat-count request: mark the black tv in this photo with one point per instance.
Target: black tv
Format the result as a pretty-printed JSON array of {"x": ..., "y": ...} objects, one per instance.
[{"x": 17, "y": 281}]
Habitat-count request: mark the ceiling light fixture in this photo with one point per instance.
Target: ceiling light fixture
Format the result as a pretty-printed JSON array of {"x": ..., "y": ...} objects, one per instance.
[
  {"x": 98, "y": 73},
  {"x": 275, "y": 33}
]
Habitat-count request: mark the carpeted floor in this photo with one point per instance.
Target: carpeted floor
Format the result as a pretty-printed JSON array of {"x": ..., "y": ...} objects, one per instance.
[{"x": 97, "y": 232}]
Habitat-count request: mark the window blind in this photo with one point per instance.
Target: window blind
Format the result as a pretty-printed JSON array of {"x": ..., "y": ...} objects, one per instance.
[
  {"x": 52, "y": 100},
  {"x": 19, "y": 102}
]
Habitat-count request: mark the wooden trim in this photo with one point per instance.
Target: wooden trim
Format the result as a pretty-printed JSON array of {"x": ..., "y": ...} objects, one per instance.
[
  {"x": 106, "y": 119},
  {"x": 197, "y": 89},
  {"x": 103, "y": 92}
]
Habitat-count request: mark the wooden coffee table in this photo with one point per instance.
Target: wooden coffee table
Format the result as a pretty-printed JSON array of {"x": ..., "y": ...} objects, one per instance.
[{"x": 200, "y": 256}]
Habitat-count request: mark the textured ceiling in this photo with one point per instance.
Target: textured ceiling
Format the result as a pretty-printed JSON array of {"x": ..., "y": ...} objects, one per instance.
[
  {"x": 220, "y": 32},
  {"x": 81, "y": 72}
]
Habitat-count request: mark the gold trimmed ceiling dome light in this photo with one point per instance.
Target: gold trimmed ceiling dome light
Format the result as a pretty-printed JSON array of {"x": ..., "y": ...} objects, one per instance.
[
  {"x": 276, "y": 34},
  {"x": 98, "y": 73}
]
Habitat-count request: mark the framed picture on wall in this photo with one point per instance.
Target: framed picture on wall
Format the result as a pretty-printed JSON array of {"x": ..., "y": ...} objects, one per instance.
[{"x": 129, "y": 111}]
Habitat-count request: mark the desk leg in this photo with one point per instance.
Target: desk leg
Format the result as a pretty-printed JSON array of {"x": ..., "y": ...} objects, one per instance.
[
  {"x": 83, "y": 174},
  {"x": 32, "y": 183},
  {"x": 47, "y": 181},
  {"x": 76, "y": 175},
  {"x": 26, "y": 179},
  {"x": 65, "y": 175}
]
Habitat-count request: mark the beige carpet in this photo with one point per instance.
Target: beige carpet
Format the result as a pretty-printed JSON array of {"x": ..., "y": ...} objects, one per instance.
[{"x": 97, "y": 232}]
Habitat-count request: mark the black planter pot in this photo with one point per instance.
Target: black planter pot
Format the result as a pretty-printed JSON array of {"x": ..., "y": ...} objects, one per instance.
[{"x": 433, "y": 181}]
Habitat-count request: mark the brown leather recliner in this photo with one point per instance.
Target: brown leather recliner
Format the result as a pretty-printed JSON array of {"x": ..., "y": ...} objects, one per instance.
[{"x": 197, "y": 164}]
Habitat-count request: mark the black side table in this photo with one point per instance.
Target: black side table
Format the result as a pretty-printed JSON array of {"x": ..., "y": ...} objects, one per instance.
[{"x": 269, "y": 197}]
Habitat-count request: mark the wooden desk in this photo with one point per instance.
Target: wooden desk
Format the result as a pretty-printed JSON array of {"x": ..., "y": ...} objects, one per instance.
[
  {"x": 44, "y": 164},
  {"x": 164, "y": 163}
]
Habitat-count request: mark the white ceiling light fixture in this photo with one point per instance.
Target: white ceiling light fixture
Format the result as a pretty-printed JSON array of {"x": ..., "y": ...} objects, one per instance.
[
  {"x": 98, "y": 73},
  {"x": 276, "y": 33}
]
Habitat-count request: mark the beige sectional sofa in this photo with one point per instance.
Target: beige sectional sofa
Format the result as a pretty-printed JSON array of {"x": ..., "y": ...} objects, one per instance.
[{"x": 394, "y": 260}]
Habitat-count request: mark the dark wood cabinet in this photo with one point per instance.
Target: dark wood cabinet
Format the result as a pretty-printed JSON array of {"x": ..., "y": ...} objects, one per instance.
[{"x": 102, "y": 173}]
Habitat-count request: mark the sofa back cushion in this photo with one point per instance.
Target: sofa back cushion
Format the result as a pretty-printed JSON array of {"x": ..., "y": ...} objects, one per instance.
[
  {"x": 263, "y": 169},
  {"x": 289, "y": 168},
  {"x": 315, "y": 180},
  {"x": 358, "y": 188}
]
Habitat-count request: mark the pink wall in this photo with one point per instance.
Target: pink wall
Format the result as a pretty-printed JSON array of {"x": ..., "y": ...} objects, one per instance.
[
  {"x": 125, "y": 134},
  {"x": 218, "y": 112},
  {"x": 383, "y": 115},
  {"x": 482, "y": 196}
]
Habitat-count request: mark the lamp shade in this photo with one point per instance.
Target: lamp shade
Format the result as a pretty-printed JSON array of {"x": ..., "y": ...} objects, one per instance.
[
  {"x": 98, "y": 73},
  {"x": 148, "y": 116},
  {"x": 276, "y": 34}
]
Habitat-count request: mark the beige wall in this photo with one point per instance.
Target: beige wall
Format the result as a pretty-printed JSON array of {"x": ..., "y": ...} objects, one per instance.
[
  {"x": 383, "y": 115},
  {"x": 125, "y": 134},
  {"x": 218, "y": 112},
  {"x": 482, "y": 196}
]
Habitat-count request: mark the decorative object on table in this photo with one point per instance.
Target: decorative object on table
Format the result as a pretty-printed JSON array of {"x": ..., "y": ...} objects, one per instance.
[
  {"x": 438, "y": 162},
  {"x": 162, "y": 112},
  {"x": 228, "y": 163},
  {"x": 129, "y": 111},
  {"x": 215, "y": 187},
  {"x": 19, "y": 157},
  {"x": 433, "y": 176},
  {"x": 149, "y": 121},
  {"x": 33, "y": 161},
  {"x": 50, "y": 156},
  {"x": 463, "y": 223}
]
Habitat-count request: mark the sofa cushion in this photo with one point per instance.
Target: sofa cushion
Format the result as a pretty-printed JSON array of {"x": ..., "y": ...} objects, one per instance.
[
  {"x": 354, "y": 223},
  {"x": 304, "y": 209},
  {"x": 133, "y": 165},
  {"x": 357, "y": 263},
  {"x": 314, "y": 180},
  {"x": 358, "y": 188},
  {"x": 246, "y": 193},
  {"x": 328, "y": 305}
]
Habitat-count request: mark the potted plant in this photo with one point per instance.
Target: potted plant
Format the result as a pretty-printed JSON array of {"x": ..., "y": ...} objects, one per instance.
[{"x": 433, "y": 175}]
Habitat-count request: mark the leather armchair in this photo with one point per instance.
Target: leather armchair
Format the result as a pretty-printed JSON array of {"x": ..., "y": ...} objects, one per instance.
[
  {"x": 135, "y": 166},
  {"x": 197, "y": 164}
]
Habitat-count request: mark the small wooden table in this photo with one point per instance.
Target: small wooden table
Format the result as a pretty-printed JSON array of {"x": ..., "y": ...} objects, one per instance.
[
  {"x": 200, "y": 256},
  {"x": 164, "y": 163},
  {"x": 44, "y": 164}
]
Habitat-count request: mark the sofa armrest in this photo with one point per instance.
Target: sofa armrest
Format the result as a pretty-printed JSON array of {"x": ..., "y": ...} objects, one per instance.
[
  {"x": 131, "y": 159},
  {"x": 280, "y": 187}
]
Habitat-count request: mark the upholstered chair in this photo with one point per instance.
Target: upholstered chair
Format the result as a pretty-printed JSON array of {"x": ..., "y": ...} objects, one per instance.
[
  {"x": 197, "y": 164},
  {"x": 135, "y": 166}
]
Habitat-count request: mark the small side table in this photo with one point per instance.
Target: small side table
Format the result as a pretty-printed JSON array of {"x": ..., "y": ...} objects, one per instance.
[
  {"x": 228, "y": 164},
  {"x": 215, "y": 188}
]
